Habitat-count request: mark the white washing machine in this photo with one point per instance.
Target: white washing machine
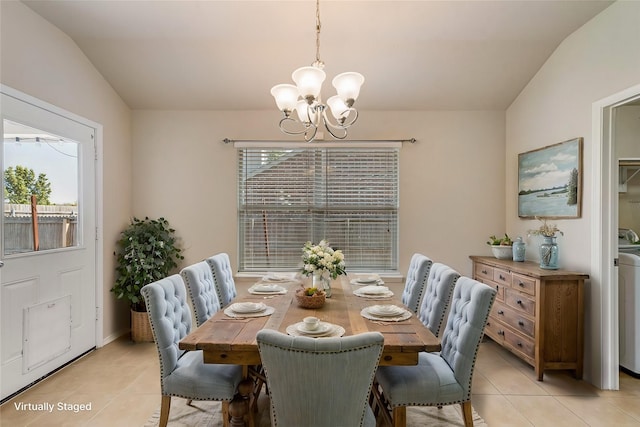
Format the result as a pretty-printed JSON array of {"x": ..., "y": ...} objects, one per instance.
[{"x": 629, "y": 308}]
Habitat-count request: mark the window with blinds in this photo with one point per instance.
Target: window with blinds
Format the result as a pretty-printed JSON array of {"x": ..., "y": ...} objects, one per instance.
[{"x": 348, "y": 196}]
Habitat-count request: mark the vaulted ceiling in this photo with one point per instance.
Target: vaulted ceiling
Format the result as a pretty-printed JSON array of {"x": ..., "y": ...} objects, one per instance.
[{"x": 226, "y": 55}]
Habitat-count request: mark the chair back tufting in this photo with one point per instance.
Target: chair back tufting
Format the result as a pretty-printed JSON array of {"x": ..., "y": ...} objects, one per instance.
[
  {"x": 170, "y": 318},
  {"x": 223, "y": 278},
  {"x": 204, "y": 298},
  {"x": 437, "y": 297},
  {"x": 468, "y": 315},
  {"x": 415, "y": 282}
]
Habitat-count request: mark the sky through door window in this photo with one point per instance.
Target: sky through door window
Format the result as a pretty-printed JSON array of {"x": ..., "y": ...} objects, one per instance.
[{"x": 45, "y": 167}]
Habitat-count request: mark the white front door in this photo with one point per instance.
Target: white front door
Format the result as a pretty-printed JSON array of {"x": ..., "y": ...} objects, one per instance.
[{"x": 48, "y": 281}]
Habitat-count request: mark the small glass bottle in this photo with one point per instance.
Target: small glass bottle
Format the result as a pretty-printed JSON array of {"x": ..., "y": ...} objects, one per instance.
[{"x": 518, "y": 250}]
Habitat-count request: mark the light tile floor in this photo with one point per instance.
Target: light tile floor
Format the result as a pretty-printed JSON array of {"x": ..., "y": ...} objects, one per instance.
[{"x": 121, "y": 381}]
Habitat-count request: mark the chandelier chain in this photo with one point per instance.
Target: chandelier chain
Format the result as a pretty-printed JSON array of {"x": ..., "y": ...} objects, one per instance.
[{"x": 318, "y": 28}]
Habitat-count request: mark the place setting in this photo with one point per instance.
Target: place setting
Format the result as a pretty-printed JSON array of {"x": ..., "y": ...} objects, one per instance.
[
  {"x": 312, "y": 327},
  {"x": 373, "y": 292},
  {"x": 266, "y": 289},
  {"x": 367, "y": 280},
  {"x": 385, "y": 313},
  {"x": 248, "y": 309}
]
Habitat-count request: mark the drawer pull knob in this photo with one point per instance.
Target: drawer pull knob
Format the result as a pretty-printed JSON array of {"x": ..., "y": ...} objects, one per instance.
[
  {"x": 519, "y": 302},
  {"x": 521, "y": 284},
  {"x": 520, "y": 322},
  {"x": 500, "y": 311},
  {"x": 500, "y": 332},
  {"x": 485, "y": 272},
  {"x": 502, "y": 277},
  {"x": 497, "y": 288},
  {"x": 519, "y": 344}
]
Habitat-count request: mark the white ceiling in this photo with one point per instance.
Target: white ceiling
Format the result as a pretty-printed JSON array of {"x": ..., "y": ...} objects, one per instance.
[{"x": 226, "y": 55}]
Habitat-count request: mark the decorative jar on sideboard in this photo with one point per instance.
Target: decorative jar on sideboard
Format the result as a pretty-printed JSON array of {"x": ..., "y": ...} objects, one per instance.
[{"x": 549, "y": 253}]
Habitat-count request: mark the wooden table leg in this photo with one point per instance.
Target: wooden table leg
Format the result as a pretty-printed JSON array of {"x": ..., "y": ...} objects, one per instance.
[{"x": 240, "y": 406}]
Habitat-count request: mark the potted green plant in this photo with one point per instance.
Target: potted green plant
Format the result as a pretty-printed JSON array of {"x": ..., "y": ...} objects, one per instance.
[
  {"x": 502, "y": 248},
  {"x": 146, "y": 251}
]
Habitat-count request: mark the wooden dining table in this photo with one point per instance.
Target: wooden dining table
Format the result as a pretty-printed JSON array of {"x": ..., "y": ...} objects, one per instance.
[{"x": 232, "y": 340}]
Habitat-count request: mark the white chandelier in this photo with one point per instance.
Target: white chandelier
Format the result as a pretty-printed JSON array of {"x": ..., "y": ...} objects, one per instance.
[{"x": 304, "y": 97}]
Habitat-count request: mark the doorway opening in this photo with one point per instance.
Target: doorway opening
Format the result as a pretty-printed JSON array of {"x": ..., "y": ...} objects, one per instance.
[{"x": 604, "y": 251}]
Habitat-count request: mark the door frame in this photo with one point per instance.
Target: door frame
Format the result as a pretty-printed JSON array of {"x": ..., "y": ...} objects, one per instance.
[
  {"x": 604, "y": 220},
  {"x": 99, "y": 282}
]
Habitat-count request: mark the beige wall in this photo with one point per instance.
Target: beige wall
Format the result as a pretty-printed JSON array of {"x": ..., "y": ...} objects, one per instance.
[
  {"x": 598, "y": 60},
  {"x": 451, "y": 180},
  {"x": 41, "y": 61}
]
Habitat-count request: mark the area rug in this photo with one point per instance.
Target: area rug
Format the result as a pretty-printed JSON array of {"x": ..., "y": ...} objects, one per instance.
[{"x": 209, "y": 414}]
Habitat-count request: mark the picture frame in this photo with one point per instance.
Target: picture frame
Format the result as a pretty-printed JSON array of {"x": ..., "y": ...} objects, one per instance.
[{"x": 550, "y": 181}]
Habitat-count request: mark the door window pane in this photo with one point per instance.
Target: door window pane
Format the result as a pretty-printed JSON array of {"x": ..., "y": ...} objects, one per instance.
[{"x": 40, "y": 175}]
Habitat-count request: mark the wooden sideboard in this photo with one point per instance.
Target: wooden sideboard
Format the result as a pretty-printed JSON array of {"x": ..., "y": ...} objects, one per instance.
[{"x": 538, "y": 314}]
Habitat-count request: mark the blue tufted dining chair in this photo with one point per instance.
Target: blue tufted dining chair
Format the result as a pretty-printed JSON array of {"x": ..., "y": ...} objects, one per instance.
[
  {"x": 320, "y": 382},
  {"x": 183, "y": 373},
  {"x": 416, "y": 281},
  {"x": 441, "y": 378},
  {"x": 204, "y": 298},
  {"x": 223, "y": 278},
  {"x": 437, "y": 296}
]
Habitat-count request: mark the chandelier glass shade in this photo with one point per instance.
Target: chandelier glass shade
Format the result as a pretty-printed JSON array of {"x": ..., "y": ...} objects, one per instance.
[{"x": 304, "y": 98}]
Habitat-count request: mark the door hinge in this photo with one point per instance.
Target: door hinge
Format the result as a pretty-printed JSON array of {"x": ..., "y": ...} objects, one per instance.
[
  {"x": 96, "y": 233},
  {"x": 616, "y": 262}
]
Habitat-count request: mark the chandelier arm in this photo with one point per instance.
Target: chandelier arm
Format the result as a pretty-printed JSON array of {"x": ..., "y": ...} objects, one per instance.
[
  {"x": 342, "y": 125},
  {"x": 308, "y": 137},
  {"x": 330, "y": 127},
  {"x": 289, "y": 132},
  {"x": 355, "y": 117}
]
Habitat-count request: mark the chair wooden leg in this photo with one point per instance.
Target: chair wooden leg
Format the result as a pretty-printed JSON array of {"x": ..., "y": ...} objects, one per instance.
[
  {"x": 400, "y": 416},
  {"x": 165, "y": 405},
  {"x": 467, "y": 414}
]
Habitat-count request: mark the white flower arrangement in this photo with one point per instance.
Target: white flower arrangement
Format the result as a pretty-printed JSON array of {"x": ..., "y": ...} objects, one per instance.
[{"x": 322, "y": 258}]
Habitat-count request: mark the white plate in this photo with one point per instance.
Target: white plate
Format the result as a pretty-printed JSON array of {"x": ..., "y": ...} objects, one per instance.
[
  {"x": 275, "y": 278},
  {"x": 259, "y": 287},
  {"x": 323, "y": 328},
  {"x": 248, "y": 307},
  {"x": 368, "y": 280},
  {"x": 373, "y": 290},
  {"x": 386, "y": 310}
]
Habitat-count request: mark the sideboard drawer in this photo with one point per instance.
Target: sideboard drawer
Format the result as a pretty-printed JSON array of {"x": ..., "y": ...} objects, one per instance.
[
  {"x": 517, "y": 342},
  {"x": 501, "y": 276},
  {"x": 524, "y": 284},
  {"x": 495, "y": 330},
  {"x": 520, "y": 301},
  {"x": 483, "y": 271},
  {"x": 513, "y": 318}
]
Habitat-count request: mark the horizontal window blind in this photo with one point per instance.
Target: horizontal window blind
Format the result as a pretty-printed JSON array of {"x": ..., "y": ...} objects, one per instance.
[{"x": 348, "y": 196}]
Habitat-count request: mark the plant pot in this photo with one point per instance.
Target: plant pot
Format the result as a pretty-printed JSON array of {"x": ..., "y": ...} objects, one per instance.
[
  {"x": 502, "y": 252},
  {"x": 140, "y": 327}
]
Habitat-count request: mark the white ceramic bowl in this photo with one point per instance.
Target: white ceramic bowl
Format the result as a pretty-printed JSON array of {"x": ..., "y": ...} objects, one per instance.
[{"x": 502, "y": 252}]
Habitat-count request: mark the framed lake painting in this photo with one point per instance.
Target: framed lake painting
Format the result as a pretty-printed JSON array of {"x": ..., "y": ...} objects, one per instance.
[{"x": 550, "y": 181}]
